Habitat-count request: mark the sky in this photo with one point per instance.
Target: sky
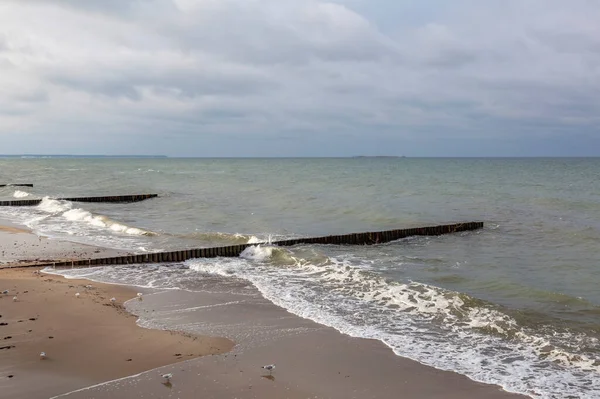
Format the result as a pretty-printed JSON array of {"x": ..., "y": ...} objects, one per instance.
[{"x": 278, "y": 78}]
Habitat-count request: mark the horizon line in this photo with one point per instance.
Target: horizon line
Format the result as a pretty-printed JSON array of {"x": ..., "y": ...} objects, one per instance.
[{"x": 284, "y": 157}]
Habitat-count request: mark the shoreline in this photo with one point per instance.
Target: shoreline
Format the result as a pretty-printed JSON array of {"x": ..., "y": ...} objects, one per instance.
[
  {"x": 87, "y": 339},
  {"x": 312, "y": 360},
  {"x": 20, "y": 247}
]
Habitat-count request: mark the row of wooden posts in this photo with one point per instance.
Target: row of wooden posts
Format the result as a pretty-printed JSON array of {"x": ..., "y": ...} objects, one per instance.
[
  {"x": 369, "y": 238},
  {"x": 113, "y": 199}
]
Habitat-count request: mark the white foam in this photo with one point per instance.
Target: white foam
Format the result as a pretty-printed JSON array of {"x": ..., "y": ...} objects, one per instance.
[
  {"x": 437, "y": 327},
  {"x": 257, "y": 253},
  {"x": 269, "y": 240},
  {"x": 85, "y": 216},
  {"x": 54, "y": 206},
  {"x": 426, "y": 323},
  {"x": 255, "y": 240},
  {"x": 81, "y": 215},
  {"x": 20, "y": 194},
  {"x": 61, "y": 220}
]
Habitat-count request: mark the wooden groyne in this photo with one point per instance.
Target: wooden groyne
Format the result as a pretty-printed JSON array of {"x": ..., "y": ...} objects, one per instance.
[
  {"x": 380, "y": 237},
  {"x": 17, "y": 185},
  {"x": 114, "y": 199},
  {"x": 370, "y": 238}
]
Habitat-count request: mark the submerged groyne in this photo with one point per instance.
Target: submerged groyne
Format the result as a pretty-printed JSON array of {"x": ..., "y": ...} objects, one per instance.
[
  {"x": 368, "y": 238},
  {"x": 113, "y": 199}
]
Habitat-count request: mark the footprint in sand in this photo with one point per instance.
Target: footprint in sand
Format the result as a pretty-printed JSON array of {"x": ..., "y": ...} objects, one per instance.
[
  {"x": 7, "y": 347},
  {"x": 3, "y": 324},
  {"x": 9, "y": 337}
]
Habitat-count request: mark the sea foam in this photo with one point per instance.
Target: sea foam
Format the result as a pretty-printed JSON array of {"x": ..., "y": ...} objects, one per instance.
[
  {"x": 65, "y": 209},
  {"x": 20, "y": 194},
  {"x": 437, "y": 327}
]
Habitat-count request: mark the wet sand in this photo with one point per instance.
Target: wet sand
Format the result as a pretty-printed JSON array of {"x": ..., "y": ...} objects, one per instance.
[
  {"x": 18, "y": 246},
  {"x": 94, "y": 340},
  {"x": 87, "y": 339}
]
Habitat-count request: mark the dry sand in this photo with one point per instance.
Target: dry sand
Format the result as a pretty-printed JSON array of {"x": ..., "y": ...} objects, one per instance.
[{"x": 93, "y": 340}]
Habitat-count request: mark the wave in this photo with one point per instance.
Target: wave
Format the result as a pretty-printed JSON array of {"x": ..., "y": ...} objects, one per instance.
[
  {"x": 263, "y": 253},
  {"x": 437, "y": 327},
  {"x": 20, "y": 194},
  {"x": 65, "y": 210},
  {"x": 232, "y": 238},
  {"x": 219, "y": 238}
]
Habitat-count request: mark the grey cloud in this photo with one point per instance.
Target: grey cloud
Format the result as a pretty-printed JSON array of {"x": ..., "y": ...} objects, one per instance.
[
  {"x": 13, "y": 111},
  {"x": 119, "y": 87},
  {"x": 570, "y": 42},
  {"x": 128, "y": 83},
  {"x": 250, "y": 34},
  {"x": 36, "y": 96},
  {"x": 306, "y": 70},
  {"x": 115, "y": 7},
  {"x": 451, "y": 58}
]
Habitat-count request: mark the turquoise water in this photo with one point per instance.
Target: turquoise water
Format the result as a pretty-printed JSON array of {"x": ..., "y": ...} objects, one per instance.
[{"x": 515, "y": 304}]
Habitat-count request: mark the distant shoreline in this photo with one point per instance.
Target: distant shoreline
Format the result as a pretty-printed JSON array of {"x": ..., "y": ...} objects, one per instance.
[
  {"x": 79, "y": 156},
  {"x": 378, "y": 156},
  {"x": 66, "y": 156}
]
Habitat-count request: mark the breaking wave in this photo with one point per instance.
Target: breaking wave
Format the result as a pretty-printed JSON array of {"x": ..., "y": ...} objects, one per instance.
[
  {"x": 65, "y": 210},
  {"x": 437, "y": 327},
  {"x": 20, "y": 194}
]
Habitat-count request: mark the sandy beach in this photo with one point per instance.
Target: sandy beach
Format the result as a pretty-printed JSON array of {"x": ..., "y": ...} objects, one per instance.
[
  {"x": 18, "y": 246},
  {"x": 89, "y": 340}
]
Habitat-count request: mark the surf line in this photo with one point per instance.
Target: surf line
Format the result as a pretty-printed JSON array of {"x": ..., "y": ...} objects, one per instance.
[{"x": 369, "y": 238}]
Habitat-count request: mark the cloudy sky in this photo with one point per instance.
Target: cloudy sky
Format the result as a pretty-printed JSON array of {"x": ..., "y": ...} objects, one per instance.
[{"x": 300, "y": 77}]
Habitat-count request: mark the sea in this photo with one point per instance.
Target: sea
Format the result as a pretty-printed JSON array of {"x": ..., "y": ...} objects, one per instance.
[{"x": 515, "y": 304}]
